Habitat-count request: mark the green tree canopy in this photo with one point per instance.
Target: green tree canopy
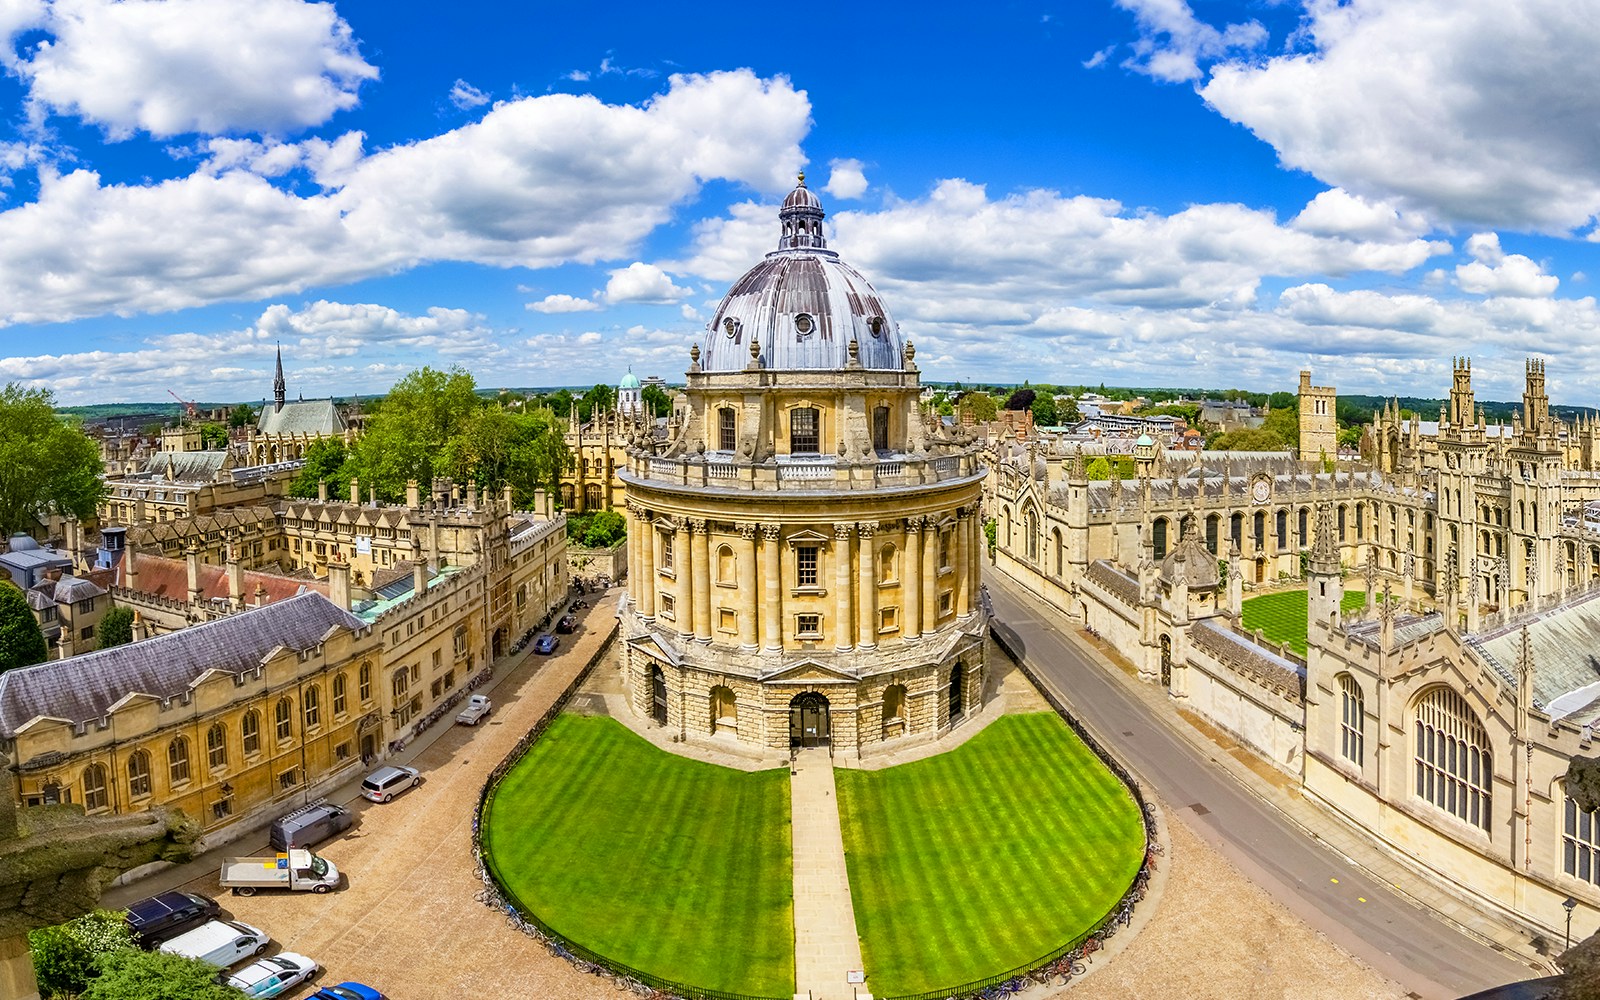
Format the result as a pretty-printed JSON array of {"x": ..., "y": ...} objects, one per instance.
[
  {"x": 599, "y": 529},
  {"x": 116, "y": 628},
  {"x": 64, "y": 954},
  {"x": 408, "y": 436},
  {"x": 213, "y": 437},
  {"x": 1044, "y": 410},
  {"x": 21, "y": 642},
  {"x": 981, "y": 405},
  {"x": 1284, "y": 424},
  {"x": 495, "y": 447},
  {"x": 1283, "y": 401},
  {"x": 46, "y": 463},
  {"x": 242, "y": 415},
  {"x": 1098, "y": 469},
  {"x": 657, "y": 402},
  {"x": 155, "y": 975},
  {"x": 1067, "y": 412},
  {"x": 325, "y": 459},
  {"x": 1249, "y": 439},
  {"x": 601, "y": 397}
]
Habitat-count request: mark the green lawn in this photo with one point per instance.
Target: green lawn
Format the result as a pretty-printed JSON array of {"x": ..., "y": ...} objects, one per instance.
[
  {"x": 986, "y": 857},
  {"x": 677, "y": 868},
  {"x": 1281, "y": 617}
]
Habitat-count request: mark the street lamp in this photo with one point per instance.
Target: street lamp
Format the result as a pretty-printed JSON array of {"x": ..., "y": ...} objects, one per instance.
[{"x": 1569, "y": 904}]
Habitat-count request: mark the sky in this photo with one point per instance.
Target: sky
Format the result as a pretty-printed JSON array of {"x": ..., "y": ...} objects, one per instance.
[{"x": 1128, "y": 192}]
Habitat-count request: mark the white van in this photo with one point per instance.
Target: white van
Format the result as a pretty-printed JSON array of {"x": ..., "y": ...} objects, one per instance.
[{"x": 222, "y": 943}]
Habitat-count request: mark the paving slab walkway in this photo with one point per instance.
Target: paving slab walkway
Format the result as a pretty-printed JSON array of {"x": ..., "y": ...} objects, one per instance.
[{"x": 826, "y": 946}]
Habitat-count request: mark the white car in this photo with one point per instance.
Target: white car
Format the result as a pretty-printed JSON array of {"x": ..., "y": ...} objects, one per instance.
[
  {"x": 478, "y": 706},
  {"x": 269, "y": 977}
]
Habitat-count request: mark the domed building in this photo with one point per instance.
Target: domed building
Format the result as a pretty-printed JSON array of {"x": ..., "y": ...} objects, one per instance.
[{"x": 805, "y": 546}]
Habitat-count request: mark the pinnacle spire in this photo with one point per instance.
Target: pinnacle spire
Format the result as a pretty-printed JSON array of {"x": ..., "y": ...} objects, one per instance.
[{"x": 279, "y": 391}]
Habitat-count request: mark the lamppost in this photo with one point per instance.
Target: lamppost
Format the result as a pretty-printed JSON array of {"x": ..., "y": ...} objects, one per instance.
[{"x": 1569, "y": 904}]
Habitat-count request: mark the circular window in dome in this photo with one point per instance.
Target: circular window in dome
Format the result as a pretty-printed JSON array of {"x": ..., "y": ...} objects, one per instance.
[
  {"x": 803, "y": 324},
  {"x": 875, "y": 324}
]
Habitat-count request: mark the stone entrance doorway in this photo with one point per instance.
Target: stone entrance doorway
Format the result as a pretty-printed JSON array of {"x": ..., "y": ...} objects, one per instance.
[
  {"x": 658, "y": 695},
  {"x": 809, "y": 725},
  {"x": 956, "y": 706}
]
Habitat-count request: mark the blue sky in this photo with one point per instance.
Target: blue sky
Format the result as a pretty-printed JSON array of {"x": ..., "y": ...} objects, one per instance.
[{"x": 1122, "y": 191}]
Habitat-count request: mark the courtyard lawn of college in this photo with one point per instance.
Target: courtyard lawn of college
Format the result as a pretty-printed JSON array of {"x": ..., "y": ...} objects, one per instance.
[
  {"x": 1281, "y": 617},
  {"x": 677, "y": 868},
  {"x": 985, "y": 857},
  {"x": 962, "y": 865}
]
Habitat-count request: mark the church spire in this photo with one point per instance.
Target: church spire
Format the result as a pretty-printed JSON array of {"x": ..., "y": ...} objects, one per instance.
[{"x": 278, "y": 388}]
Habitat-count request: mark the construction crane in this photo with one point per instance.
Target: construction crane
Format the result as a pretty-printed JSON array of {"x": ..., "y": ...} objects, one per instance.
[{"x": 189, "y": 407}]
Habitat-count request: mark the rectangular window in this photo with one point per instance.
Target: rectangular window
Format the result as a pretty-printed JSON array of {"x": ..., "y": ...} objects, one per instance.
[
  {"x": 725, "y": 436},
  {"x": 222, "y": 808},
  {"x": 803, "y": 432},
  {"x": 888, "y": 619},
  {"x": 944, "y": 548},
  {"x": 342, "y": 751},
  {"x": 289, "y": 778},
  {"x": 436, "y": 689},
  {"x": 946, "y": 603},
  {"x": 666, "y": 603},
  {"x": 805, "y": 566},
  {"x": 87, "y": 633},
  {"x": 808, "y": 626},
  {"x": 727, "y": 621},
  {"x": 666, "y": 550}
]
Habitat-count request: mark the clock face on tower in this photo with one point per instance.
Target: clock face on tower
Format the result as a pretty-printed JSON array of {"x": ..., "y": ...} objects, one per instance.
[{"x": 1261, "y": 491}]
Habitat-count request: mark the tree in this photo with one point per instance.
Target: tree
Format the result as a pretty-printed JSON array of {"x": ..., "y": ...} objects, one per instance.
[
  {"x": 1285, "y": 426},
  {"x": 600, "y": 398},
  {"x": 1248, "y": 439},
  {"x": 981, "y": 405},
  {"x": 21, "y": 642},
  {"x": 496, "y": 447},
  {"x": 213, "y": 436},
  {"x": 1283, "y": 401},
  {"x": 1580, "y": 967},
  {"x": 325, "y": 460},
  {"x": 47, "y": 464},
  {"x": 406, "y": 439},
  {"x": 1068, "y": 412},
  {"x": 116, "y": 628},
  {"x": 155, "y": 975},
  {"x": 599, "y": 529},
  {"x": 656, "y": 402},
  {"x": 242, "y": 415},
  {"x": 1044, "y": 411},
  {"x": 1098, "y": 469},
  {"x": 1022, "y": 399},
  {"x": 64, "y": 954}
]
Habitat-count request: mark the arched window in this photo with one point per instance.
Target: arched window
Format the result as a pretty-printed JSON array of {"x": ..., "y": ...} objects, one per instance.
[
  {"x": 312, "y": 701},
  {"x": 1056, "y": 550},
  {"x": 1281, "y": 523},
  {"x": 1352, "y": 721},
  {"x": 400, "y": 686},
  {"x": 283, "y": 719},
  {"x": 888, "y": 571},
  {"x": 1213, "y": 525},
  {"x": 1158, "y": 537},
  {"x": 1580, "y": 843},
  {"x": 1030, "y": 524},
  {"x": 1455, "y": 770},
  {"x": 339, "y": 700},
  {"x": 1341, "y": 520},
  {"x": 139, "y": 774},
  {"x": 894, "y": 710},
  {"x": 1305, "y": 515},
  {"x": 1260, "y": 530},
  {"x": 94, "y": 788},
  {"x": 250, "y": 730},
  {"x": 216, "y": 747},
  {"x": 726, "y": 438},
  {"x": 178, "y": 760},
  {"x": 1236, "y": 529},
  {"x": 804, "y": 432}
]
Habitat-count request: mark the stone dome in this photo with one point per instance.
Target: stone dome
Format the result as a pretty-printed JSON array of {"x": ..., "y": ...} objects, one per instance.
[{"x": 802, "y": 305}]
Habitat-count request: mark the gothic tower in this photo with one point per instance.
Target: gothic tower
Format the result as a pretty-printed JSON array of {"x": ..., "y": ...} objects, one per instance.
[{"x": 1319, "y": 424}]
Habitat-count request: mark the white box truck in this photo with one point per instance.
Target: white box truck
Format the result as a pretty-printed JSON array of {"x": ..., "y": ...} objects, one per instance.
[
  {"x": 222, "y": 943},
  {"x": 297, "y": 870}
]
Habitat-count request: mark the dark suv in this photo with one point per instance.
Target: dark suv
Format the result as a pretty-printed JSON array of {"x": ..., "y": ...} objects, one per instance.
[{"x": 154, "y": 919}]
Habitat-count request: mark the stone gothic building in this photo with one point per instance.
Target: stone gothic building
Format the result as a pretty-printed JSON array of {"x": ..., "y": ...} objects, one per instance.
[{"x": 805, "y": 547}]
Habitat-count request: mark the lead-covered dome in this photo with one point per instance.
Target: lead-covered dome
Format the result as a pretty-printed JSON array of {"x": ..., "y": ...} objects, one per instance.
[{"x": 802, "y": 305}]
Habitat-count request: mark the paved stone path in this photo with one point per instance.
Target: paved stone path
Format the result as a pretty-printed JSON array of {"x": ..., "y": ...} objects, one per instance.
[{"x": 826, "y": 946}]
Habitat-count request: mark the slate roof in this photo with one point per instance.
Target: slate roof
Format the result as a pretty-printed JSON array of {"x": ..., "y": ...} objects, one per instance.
[
  {"x": 1564, "y": 641},
  {"x": 186, "y": 466},
  {"x": 67, "y": 590},
  {"x": 81, "y": 689},
  {"x": 308, "y": 416}
]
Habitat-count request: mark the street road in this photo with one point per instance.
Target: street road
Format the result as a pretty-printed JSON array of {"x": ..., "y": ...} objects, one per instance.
[{"x": 1363, "y": 916}]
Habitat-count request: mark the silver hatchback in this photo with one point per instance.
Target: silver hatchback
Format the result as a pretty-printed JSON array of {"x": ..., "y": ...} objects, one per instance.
[{"x": 388, "y": 781}]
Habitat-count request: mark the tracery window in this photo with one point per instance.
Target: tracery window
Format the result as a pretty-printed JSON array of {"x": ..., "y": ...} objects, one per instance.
[
  {"x": 139, "y": 774},
  {"x": 1580, "y": 843},
  {"x": 1454, "y": 768},
  {"x": 1352, "y": 721}
]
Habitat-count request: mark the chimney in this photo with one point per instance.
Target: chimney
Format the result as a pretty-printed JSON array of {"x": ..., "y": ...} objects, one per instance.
[
  {"x": 538, "y": 502},
  {"x": 138, "y": 626},
  {"x": 472, "y": 496},
  {"x": 339, "y": 584},
  {"x": 235, "y": 581},
  {"x": 130, "y": 570},
  {"x": 509, "y": 498},
  {"x": 192, "y": 557},
  {"x": 413, "y": 494},
  {"x": 261, "y": 595},
  {"x": 355, "y": 491},
  {"x": 322, "y": 491},
  {"x": 64, "y": 642},
  {"x": 419, "y": 568}
]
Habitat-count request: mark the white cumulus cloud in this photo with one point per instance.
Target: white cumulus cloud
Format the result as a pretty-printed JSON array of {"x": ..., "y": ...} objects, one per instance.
[
  {"x": 1495, "y": 272},
  {"x": 563, "y": 304},
  {"x": 464, "y": 95},
  {"x": 171, "y": 67},
  {"x": 1173, "y": 42},
  {"x": 640, "y": 282},
  {"x": 846, "y": 179}
]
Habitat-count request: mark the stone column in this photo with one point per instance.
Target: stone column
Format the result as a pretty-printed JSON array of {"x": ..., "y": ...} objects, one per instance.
[
  {"x": 963, "y": 580},
  {"x": 682, "y": 569},
  {"x": 702, "y": 580},
  {"x": 649, "y": 559},
  {"x": 930, "y": 575},
  {"x": 843, "y": 623},
  {"x": 771, "y": 583},
  {"x": 867, "y": 587},
  {"x": 911, "y": 581},
  {"x": 747, "y": 586}
]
